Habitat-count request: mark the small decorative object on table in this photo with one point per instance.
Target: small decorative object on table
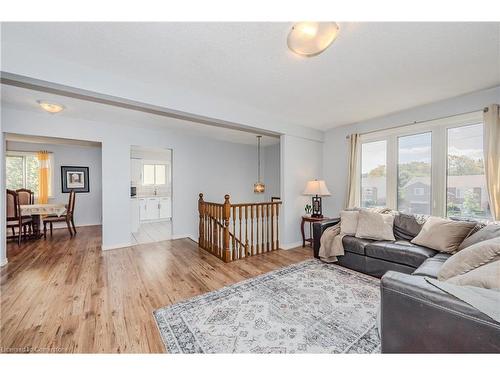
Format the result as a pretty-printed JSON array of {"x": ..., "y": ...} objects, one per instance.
[
  {"x": 309, "y": 219},
  {"x": 308, "y": 209},
  {"x": 75, "y": 178},
  {"x": 317, "y": 189}
]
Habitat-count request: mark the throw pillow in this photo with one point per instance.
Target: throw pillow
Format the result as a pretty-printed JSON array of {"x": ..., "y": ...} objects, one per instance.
[
  {"x": 470, "y": 258},
  {"x": 406, "y": 227},
  {"x": 349, "y": 222},
  {"x": 487, "y": 276},
  {"x": 375, "y": 226},
  {"x": 489, "y": 231},
  {"x": 442, "y": 234}
]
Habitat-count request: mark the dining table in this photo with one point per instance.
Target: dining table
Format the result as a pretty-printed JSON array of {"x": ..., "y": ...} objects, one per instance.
[{"x": 38, "y": 210}]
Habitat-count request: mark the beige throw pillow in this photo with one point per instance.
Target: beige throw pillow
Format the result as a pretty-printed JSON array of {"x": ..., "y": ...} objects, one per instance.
[
  {"x": 470, "y": 258},
  {"x": 487, "y": 276},
  {"x": 375, "y": 226},
  {"x": 442, "y": 234},
  {"x": 349, "y": 222}
]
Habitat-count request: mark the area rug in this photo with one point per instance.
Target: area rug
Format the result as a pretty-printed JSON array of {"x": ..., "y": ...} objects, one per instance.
[{"x": 309, "y": 307}]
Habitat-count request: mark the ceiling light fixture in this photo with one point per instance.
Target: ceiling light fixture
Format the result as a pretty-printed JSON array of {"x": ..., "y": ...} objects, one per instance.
[
  {"x": 50, "y": 107},
  {"x": 311, "y": 38}
]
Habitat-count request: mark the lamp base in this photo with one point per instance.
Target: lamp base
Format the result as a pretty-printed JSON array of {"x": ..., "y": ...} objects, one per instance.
[
  {"x": 317, "y": 216},
  {"x": 316, "y": 207}
]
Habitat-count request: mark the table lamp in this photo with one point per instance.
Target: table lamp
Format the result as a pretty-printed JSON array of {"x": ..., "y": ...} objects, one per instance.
[{"x": 316, "y": 188}]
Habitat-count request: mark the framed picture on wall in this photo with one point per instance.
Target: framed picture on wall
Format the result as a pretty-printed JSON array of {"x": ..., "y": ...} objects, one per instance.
[{"x": 75, "y": 178}]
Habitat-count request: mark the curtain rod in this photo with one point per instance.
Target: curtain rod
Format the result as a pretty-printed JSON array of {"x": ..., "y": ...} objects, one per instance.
[{"x": 485, "y": 109}]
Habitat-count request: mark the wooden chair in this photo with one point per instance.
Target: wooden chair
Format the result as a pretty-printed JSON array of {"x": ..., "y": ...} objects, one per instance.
[
  {"x": 14, "y": 218},
  {"x": 68, "y": 217},
  {"x": 26, "y": 196}
]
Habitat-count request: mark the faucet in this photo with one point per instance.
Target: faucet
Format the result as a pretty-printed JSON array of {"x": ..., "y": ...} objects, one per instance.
[{"x": 156, "y": 192}]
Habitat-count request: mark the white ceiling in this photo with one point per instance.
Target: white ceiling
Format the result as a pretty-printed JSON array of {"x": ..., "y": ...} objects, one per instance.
[
  {"x": 371, "y": 69},
  {"x": 26, "y": 100}
]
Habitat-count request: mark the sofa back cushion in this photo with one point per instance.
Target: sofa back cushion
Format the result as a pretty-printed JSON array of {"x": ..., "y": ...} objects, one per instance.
[
  {"x": 349, "y": 222},
  {"x": 442, "y": 234},
  {"x": 375, "y": 226},
  {"x": 470, "y": 258},
  {"x": 406, "y": 227},
  {"x": 487, "y": 276},
  {"x": 486, "y": 233}
]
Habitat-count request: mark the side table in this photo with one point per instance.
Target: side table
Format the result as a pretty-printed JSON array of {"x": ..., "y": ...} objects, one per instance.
[{"x": 310, "y": 220}]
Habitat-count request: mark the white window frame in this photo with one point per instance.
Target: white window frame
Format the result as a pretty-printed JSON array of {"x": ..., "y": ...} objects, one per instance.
[
  {"x": 23, "y": 154},
  {"x": 439, "y": 153},
  {"x": 155, "y": 164}
]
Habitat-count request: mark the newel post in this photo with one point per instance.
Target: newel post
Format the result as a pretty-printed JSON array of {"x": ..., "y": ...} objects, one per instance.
[
  {"x": 201, "y": 231},
  {"x": 226, "y": 217}
]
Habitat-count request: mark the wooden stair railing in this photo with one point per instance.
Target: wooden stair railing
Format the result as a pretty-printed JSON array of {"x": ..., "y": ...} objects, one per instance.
[{"x": 236, "y": 231}]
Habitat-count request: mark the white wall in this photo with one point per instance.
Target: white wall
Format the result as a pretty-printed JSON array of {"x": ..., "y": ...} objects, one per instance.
[
  {"x": 270, "y": 169},
  {"x": 301, "y": 161},
  {"x": 199, "y": 165},
  {"x": 336, "y": 146},
  {"x": 88, "y": 206}
]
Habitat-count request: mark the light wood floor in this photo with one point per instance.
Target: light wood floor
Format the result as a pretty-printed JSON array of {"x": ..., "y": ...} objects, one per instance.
[{"x": 66, "y": 295}]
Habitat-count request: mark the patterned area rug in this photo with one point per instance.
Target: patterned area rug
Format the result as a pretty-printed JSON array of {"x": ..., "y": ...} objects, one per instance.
[{"x": 309, "y": 307}]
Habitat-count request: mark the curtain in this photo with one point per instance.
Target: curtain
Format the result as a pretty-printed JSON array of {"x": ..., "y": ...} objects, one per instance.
[
  {"x": 353, "y": 182},
  {"x": 491, "y": 147},
  {"x": 43, "y": 176}
]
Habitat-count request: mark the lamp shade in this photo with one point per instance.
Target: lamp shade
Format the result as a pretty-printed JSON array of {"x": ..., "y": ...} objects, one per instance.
[{"x": 316, "y": 187}]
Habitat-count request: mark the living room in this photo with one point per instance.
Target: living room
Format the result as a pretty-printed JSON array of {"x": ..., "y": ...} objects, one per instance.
[{"x": 318, "y": 187}]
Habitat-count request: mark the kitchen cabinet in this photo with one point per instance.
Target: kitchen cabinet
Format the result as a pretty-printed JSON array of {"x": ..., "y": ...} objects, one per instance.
[
  {"x": 134, "y": 214},
  {"x": 142, "y": 209},
  {"x": 165, "y": 208},
  {"x": 136, "y": 171},
  {"x": 152, "y": 208}
]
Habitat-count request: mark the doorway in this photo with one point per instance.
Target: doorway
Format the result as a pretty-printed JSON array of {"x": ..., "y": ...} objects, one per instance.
[{"x": 150, "y": 194}]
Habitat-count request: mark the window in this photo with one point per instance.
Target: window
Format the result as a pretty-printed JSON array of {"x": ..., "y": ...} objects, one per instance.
[
  {"x": 373, "y": 178},
  {"x": 154, "y": 174},
  {"x": 466, "y": 194},
  {"x": 434, "y": 168},
  {"x": 21, "y": 171},
  {"x": 414, "y": 173}
]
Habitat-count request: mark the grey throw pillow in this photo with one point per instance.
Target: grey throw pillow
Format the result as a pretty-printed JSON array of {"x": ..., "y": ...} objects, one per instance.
[
  {"x": 486, "y": 276},
  {"x": 486, "y": 233},
  {"x": 406, "y": 227}
]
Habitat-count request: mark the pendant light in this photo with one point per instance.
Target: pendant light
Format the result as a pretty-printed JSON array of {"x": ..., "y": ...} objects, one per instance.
[{"x": 258, "y": 187}]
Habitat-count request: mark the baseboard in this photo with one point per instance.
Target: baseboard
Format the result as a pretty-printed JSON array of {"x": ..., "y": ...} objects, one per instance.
[
  {"x": 112, "y": 247},
  {"x": 179, "y": 236},
  {"x": 4, "y": 262},
  {"x": 289, "y": 246},
  {"x": 63, "y": 225}
]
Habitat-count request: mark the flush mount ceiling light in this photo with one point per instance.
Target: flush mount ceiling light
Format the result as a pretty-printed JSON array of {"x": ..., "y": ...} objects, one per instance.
[
  {"x": 50, "y": 107},
  {"x": 311, "y": 38}
]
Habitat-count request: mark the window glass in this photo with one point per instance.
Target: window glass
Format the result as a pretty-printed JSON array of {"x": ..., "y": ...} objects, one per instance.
[
  {"x": 14, "y": 171},
  {"x": 32, "y": 173},
  {"x": 374, "y": 174},
  {"x": 148, "y": 175},
  {"x": 160, "y": 174},
  {"x": 466, "y": 194},
  {"x": 414, "y": 173}
]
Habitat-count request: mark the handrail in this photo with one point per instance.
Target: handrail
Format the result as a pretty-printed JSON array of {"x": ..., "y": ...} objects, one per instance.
[{"x": 235, "y": 231}]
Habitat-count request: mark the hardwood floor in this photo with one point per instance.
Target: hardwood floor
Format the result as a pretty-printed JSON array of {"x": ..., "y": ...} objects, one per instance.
[{"x": 64, "y": 295}]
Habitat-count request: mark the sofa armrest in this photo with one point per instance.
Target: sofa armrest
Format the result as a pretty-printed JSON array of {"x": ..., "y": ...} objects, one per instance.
[
  {"x": 318, "y": 229},
  {"x": 417, "y": 317}
]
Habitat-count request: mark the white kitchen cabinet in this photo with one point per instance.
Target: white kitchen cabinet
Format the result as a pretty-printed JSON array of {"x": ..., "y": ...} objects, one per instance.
[
  {"x": 134, "y": 214},
  {"x": 152, "y": 208},
  {"x": 136, "y": 171},
  {"x": 143, "y": 209},
  {"x": 165, "y": 208}
]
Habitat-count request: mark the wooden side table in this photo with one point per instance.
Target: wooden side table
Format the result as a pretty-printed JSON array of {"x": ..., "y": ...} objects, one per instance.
[{"x": 310, "y": 220}]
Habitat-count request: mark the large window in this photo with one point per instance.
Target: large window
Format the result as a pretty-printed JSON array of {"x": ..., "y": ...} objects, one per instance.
[
  {"x": 434, "y": 168},
  {"x": 466, "y": 193},
  {"x": 22, "y": 171},
  {"x": 414, "y": 173},
  {"x": 373, "y": 177}
]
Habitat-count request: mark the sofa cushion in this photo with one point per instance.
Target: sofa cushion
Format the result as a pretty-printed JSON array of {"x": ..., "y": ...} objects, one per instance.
[
  {"x": 349, "y": 222},
  {"x": 401, "y": 251},
  {"x": 443, "y": 234},
  {"x": 355, "y": 245},
  {"x": 488, "y": 232},
  {"x": 431, "y": 266},
  {"x": 486, "y": 276},
  {"x": 375, "y": 226},
  {"x": 406, "y": 227}
]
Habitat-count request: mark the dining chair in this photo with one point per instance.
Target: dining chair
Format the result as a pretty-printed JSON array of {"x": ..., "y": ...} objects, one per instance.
[
  {"x": 26, "y": 196},
  {"x": 15, "y": 219},
  {"x": 67, "y": 217}
]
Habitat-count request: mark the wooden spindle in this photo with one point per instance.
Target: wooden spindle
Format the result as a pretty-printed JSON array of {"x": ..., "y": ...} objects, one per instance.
[
  {"x": 272, "y": 226},
  {"x": 227, "y": 215},
  {"x": 267, "y": 228},
  {"x": 251, "y": 232},
  {"x": 201, "y": 224},
  {"x": 277, "y": 226},
  {"x": 235, "y": 252},
  {"x": 240, "y": 215}
]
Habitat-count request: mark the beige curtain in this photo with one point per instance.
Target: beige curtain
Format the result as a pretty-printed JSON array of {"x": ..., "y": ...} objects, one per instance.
[
  {"x": 353, "y": 181},
  {"x": 491, "y": 117}
]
